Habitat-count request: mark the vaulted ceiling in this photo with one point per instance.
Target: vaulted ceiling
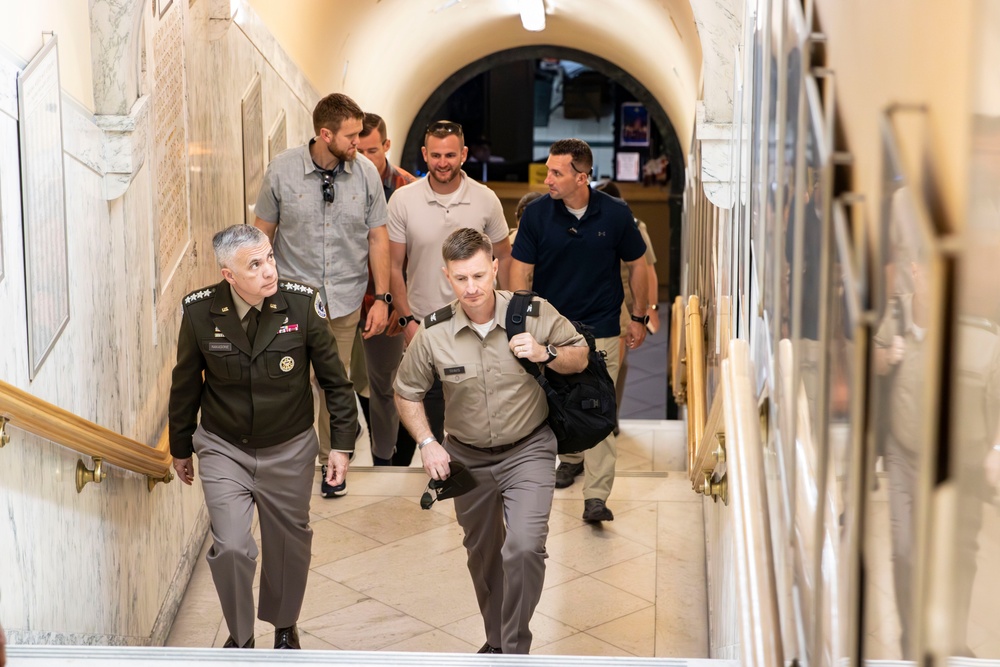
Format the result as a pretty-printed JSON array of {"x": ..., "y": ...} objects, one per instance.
[{"x": 391, "y": 55}]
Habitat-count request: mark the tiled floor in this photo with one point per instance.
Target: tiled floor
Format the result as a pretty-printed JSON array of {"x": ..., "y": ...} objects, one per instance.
[
  {"x": 646, "y": 382},
  {"x": 387, "y": 575}
]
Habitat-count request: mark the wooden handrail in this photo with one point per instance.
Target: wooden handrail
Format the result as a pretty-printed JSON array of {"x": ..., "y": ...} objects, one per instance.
[
  {"x": 696, "y": 377},
  {"x": 678, "y": 381},
  {"x": 710, "y": 450},
  {"x": 33, "y": 415}
]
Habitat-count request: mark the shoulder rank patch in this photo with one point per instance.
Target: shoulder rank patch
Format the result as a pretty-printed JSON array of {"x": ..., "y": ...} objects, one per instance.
[
  {"x": 200, "y": 295},
  {"x": 296, "y": 288},
  {"x": 438, "y": 316}
]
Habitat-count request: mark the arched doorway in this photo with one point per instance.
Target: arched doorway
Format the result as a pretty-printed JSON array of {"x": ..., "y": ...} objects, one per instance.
[{"x": 666, "y": 239}]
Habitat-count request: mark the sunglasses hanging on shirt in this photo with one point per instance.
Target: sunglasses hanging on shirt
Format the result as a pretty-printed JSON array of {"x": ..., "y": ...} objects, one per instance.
[{"x": 327, "y": 177}]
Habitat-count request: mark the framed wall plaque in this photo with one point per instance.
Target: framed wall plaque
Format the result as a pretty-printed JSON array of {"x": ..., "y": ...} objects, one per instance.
[
  {"x": 253, "y": 145},
  {"x": 43, "y": 202}
]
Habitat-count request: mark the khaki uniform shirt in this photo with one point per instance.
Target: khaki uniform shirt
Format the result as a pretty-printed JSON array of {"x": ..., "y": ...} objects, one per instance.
[{"x": 490, "y": 400}]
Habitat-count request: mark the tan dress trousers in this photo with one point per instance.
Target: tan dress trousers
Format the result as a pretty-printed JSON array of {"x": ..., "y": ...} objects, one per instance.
[
  {"x": 278, "y": 481},
  {"x": 507, "y": 558}
]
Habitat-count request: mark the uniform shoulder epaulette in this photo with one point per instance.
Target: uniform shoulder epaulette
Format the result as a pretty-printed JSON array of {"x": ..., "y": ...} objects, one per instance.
[
  {"x": 534, "y": 308},
  {"x": 296, "y": 288},
  {"x": 199, "y": 295},
  {"x": 438, "y": 316}
]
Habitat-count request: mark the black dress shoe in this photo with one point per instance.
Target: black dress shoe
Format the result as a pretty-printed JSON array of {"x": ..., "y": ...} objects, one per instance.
[
  {"x": 231, "y": 643},
  {"x": 286, "y": 637},
  {"x": 489, "y": 649}
]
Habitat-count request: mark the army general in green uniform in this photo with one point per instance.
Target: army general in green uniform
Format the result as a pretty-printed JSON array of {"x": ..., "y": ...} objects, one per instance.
[{"x": 253, "y": 337}]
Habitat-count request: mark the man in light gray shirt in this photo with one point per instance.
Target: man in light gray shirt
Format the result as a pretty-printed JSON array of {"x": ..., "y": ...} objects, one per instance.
[
  {"x": 421, "y": 216},
  {"x": 323, "y": 208}
]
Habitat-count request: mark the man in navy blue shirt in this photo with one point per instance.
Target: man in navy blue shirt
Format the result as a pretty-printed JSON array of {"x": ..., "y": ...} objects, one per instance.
[{"x": 573, "y": 241}]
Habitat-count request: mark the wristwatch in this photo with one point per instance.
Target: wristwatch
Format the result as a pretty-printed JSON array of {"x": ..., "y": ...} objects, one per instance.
[
  {"x": 384, "y": 297},
  {"x": 406, "y": 319},
  {"x": 641, "y": 319},
  {"x": 553, "y": 353}
]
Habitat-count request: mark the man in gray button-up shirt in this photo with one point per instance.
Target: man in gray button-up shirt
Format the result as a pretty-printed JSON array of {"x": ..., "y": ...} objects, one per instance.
[{"x": 323, "y": 208}]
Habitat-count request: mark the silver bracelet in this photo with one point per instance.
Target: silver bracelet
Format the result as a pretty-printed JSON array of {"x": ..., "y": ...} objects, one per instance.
[{"x": 426, "y": 441}]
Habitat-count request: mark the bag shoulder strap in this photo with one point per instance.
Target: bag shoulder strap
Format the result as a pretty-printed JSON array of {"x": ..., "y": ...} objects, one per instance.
[{"x": 517, "y": 311}]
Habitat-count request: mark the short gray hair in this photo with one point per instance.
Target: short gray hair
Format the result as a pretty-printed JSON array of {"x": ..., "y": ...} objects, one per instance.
[
  {"x": 464, "y": 243},
  {"x": 231, "y": 239}
]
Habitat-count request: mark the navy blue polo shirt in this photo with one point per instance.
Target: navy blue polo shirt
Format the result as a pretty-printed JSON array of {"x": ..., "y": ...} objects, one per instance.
[{"x": 577, "y": 262}]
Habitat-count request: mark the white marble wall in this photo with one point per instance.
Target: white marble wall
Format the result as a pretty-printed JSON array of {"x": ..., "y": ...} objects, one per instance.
[
  {"x": 107, "y": 566},
  {"x": 720, "y": 567}
]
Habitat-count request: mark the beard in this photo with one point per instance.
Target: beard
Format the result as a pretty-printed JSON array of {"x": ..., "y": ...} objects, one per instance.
[
  {"x": 447, "y": 178},
  {"x": 343, "y": 155}
]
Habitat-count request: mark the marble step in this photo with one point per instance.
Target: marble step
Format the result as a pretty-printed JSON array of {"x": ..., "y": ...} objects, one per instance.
[{"x": 113, "y": 656}]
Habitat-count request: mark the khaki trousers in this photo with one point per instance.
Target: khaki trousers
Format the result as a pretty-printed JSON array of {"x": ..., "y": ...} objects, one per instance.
[
  {"x": 382, "y": 355},
  {"x": 278, "y": 482},
  {"x": 506, "y": 522},
  {"x": 599, "y": 461},
  {"x": 343, "y": 329}
]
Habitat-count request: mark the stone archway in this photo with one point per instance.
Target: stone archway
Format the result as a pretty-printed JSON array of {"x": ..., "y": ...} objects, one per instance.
[
  {"x": 678, "y": 164},
  {"x": 414, "y": 137}
]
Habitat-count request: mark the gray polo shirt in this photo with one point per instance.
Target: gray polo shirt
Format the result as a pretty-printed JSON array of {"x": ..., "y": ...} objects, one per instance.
[{"x": 317, "y": 242}]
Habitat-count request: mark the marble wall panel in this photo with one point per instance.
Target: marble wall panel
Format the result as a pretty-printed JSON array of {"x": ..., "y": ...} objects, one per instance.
[
  {"x": 720, "y": 566},
  {"x": 104, "y": 566}
]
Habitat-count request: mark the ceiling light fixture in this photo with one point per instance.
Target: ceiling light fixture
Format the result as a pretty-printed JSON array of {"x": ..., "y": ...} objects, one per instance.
[{"x": 532, "y": 14}]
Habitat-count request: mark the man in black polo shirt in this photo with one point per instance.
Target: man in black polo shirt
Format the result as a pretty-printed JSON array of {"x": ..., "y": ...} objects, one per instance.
[{"x": 573, "y": 240}]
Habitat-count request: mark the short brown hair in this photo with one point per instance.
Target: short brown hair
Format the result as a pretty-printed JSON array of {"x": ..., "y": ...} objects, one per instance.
[
  {"x": 523, "y": 203},
  {"x": 609, "y": 188},
  {"x": 442, "y": 128},
  {"x": 333, "y": 110},
  {"x": 371, "y": 123},
  {"x": 464, "y": 243},
  {"x": 580, "y": 156}
]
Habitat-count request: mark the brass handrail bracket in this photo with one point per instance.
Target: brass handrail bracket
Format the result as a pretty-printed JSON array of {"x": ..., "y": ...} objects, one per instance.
[
  {"x": 4, "y": 435},
  {"x": 151, "y": 481},
  {"x": 85, "y": 476}
]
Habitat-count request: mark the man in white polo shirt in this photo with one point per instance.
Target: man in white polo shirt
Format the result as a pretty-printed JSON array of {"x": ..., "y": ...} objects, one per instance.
[{"x": 421, "y": 216}]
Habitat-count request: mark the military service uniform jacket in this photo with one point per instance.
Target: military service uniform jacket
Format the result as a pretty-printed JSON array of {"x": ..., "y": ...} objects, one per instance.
[{"x": 257, "y": 397}]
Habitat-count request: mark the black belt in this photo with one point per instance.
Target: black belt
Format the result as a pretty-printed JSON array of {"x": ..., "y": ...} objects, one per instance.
[{"x": 499, "y": 449}]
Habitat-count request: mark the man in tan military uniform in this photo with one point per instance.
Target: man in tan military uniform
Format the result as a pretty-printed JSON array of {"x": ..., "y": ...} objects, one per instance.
[
  {"x": 254, "y": 338},
  {"x": 495, "y": 416}
]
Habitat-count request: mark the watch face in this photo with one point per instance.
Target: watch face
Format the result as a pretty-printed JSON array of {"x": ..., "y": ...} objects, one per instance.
[{"x": 402, "y": 322}]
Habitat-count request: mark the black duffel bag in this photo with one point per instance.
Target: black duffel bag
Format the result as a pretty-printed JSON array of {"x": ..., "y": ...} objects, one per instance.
[{"x": 582, "y": 406}]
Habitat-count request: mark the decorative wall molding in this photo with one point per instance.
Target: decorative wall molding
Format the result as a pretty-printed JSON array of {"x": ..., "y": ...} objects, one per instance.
[
  {"x": 715, "y": 140},
  {"x": 124, "y": 147}
]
